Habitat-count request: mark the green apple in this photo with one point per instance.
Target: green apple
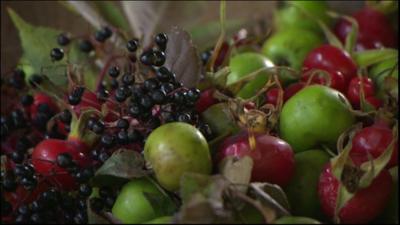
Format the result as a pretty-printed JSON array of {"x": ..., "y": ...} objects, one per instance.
[
  {"x": 132, "y": 205},
  {"x": 289, "y": 47},
  {"x": 175, "y": 148},
  {"x": 315, "y": 115},
  {"x": 292, "y": 15},
  {"x": 302, "y": 189},
  {"x": 244, "y": 64}
]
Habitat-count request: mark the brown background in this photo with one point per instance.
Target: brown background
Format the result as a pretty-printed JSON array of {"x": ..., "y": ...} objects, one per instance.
[{"x": 51, "y": 13}]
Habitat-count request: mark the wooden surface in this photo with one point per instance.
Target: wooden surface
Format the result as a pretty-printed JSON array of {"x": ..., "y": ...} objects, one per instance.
[{"x": 51, "y": 13}]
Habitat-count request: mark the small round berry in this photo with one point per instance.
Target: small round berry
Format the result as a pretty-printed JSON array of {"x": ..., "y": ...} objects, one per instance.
[
  {"x": 205, "y": 56},
  {"x": 29, "y": 182},
  {"x": 159, "y": 58},
  {"x": 135, "y": 110},
  {"x": 36, "y": 218},
  {"x": 103, "y": 156},
  {"x": 122, "y": 137},
  {"x": 114, "y": 83},
  {"x": 86, "y": 46},
  {"x": 17, "y": 80},
  {"x": 107, "y": 140},
  {"x": 128, "y": 79},
  {"x": 167, "y": 87},
  {"x": 193, "y": 95},
  {"x": 146, "y": 101},
  {"x": 158, "y": 96},
  {"x": 63, "y": 39},
  {"x": 161, "y": 40},
  {"x": 135, "y": 136},
  {"x": 23, "y": 210},
  {"x": 113, "y": 71},
  {"x": 103, "y": 34},
  {"x": 35, "y": 80},
  {"x": 132, "y": 45},
  {"x": 123, "y": 124},
  {"x": 164, "y": 75},
  {"x": 57, "y": 54},
  {"x": 179, "y": 98},
  {"x": 9, "y": 184},
  {"x": 90, "y": 123},
  {"x": 148, "y": 58},
  {"x": 64, "y": 160},
  {"x": 85, "y": 190},
  {"x": 17, "y": 157},
  {"x": 65, "y": 116},
  {"x": 121, "y": 94},
  {"x": 150, "y": 84},
  {"x": 184, "y": 117},
  {"x": 98, "y": 127},
  {"x": 27, "y": 100}
]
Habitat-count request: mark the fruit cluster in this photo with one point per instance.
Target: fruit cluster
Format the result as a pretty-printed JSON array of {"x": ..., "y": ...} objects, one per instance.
[{"x": 309, "y": 113}]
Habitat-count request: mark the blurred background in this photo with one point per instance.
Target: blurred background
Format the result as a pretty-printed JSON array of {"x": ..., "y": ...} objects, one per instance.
[{"x": 191, "y": 15}]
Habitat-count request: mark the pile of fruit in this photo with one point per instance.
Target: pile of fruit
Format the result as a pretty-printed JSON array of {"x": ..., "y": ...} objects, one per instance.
[{"x": 298, "y": 126}]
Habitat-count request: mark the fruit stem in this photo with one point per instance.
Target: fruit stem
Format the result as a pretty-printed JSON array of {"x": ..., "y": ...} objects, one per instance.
[{"x": 105, "y": 68}]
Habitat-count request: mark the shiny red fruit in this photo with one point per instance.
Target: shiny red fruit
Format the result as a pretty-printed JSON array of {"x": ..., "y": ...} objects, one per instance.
[
  {"x": 273, "y": 158},
  {"x": 90, "y": 100},
  {"x": 374, "y": 101},
  {"x": 375, "y": 30},
  {"x": 292, "y": 89},
  {"x": 206, "y": 100},
  {"x": 41, "y": 98},
  {"x": 336, "y": 78},
  {"x": 331, "y": 59},
  {"x": 44, "y": 160},
  {"x": 353, "y": 91},
  {"x": 373, "y": 140},
  {"x": 271, "y": 97},
  {"x": 222, "y": 54},
  {"x": 366, "y": 204}
]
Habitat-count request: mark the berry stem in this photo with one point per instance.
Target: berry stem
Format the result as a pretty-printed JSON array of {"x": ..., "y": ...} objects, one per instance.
[{"x": 105, "y": 68}]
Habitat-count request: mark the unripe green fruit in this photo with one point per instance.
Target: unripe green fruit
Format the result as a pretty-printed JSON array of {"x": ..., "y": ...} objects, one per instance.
[
  {"x": 132, "y": 206},
  {"x": 244, "y": 64},
  {"x": 175, "y": 148},
  {"x": 313, "y": 116}
]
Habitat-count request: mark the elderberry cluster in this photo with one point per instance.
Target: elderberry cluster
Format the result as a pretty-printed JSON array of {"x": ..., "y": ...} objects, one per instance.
[{"x": 138, "y": 99}]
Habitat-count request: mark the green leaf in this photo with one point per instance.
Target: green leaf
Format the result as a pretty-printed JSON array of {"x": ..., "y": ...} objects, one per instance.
[
  {"x": 237, "y": 171},
  {"x": 123, "y": 163},
  {"x": 37, "y": 42},
  {"x": 188, "y": 69},
  {"x": 271, "y": 196},
  {"x": 369, "y": 57},
  {"x": 192, "y": 183},
  {"x": 94, "y": 218},
  {"x": 112, "y": 13}
]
